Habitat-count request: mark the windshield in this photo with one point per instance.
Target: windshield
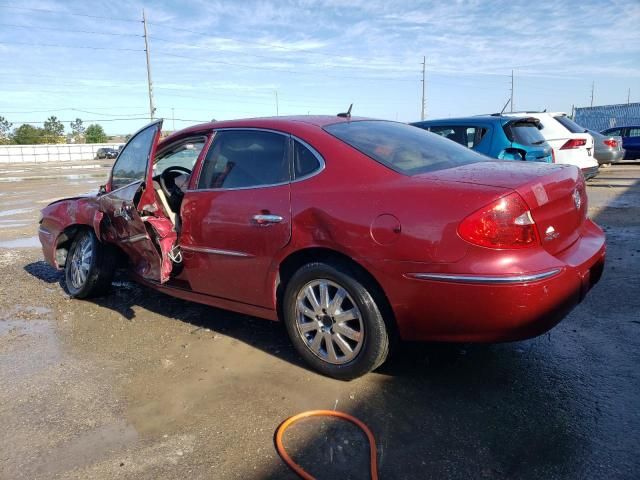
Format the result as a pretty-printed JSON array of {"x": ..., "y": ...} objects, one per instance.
[
  {"x": 570, "y": 125},
  {"x": 524, "y": 133},
  {"x": 404, "y": 148}
]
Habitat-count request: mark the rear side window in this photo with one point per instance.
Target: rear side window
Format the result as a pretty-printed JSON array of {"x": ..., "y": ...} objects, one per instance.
[
  {"x": 244, "y": 159},
  {"x": 305, "y": 161},
  {"x": 614, "y": 133},
  {"x": 404, "y": 148},
  {"x": 524, "y": 133},
  {"x": 634, "y": 132},
  {"x": 570, "y": 125},
  {"x": 469, "y": 136}
]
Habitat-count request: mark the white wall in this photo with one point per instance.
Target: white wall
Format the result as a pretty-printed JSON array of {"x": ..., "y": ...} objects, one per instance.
[{"x": 51, "y": 153}]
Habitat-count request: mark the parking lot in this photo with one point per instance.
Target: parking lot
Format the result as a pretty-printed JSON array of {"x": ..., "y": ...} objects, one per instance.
[{"x": 141, "y": 385}]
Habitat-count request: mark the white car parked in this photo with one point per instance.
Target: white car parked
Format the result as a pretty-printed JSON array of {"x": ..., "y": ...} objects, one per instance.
[{"x": 570, "y": 142}]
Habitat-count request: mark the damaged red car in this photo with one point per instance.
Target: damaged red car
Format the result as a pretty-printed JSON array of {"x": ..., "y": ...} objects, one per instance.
[{"x": 353, "y": 232}]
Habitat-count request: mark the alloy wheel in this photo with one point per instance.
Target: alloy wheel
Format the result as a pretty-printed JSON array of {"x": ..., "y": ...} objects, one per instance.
[
  {"x": 81, "y": 262},
  {"x": 329, "y": 321}
]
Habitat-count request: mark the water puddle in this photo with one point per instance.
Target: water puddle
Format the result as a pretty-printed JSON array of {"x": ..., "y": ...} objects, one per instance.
[
  {"x": 13, "y": 225},
  {"x": 28, "y": 347},
  {"x": 15, "y": 211},
  {"x": 27, "y": 242},
  {"x": 52, "y": 177}
]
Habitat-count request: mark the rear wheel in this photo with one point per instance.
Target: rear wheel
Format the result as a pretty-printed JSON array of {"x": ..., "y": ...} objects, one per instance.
[
  {"x": 334, "y": 321},
  {"x": 89, "y": 267}
]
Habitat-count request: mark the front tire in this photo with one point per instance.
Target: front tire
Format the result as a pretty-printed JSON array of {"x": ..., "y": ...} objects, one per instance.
[
  {"x": 334, "y": 321},
  {"x": 89, "y": 267}
]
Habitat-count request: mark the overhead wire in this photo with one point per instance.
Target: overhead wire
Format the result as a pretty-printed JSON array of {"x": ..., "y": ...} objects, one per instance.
[
  {"x": 58, "y": 12},
  {"x": 40, "y": 27}
]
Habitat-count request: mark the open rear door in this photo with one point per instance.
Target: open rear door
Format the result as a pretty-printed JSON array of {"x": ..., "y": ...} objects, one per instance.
[{"x": 129, "y": 200}]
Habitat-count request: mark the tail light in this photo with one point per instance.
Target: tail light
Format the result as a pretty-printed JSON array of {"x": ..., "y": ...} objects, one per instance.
[
  {"x": 553, "y": 156},
  {"x": 505, "y": 223},
  {"x": 573, "y": 143},
  {"x": 610, "y": 142}
]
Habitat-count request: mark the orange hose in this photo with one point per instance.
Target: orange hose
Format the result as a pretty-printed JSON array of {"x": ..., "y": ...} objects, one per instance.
[{"x": 323, "y": 413}]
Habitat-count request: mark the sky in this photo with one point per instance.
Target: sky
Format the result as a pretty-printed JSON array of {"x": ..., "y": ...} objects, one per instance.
[{"x": 236, "y": 59}]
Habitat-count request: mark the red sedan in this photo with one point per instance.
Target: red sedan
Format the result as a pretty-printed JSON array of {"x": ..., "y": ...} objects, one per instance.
[{"x": 354, "y": 232}]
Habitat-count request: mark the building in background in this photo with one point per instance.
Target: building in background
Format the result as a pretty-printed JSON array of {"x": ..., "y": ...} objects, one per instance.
[{"x": 606, "y": 116}]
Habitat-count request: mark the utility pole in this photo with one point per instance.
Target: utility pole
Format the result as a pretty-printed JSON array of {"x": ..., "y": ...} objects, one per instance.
[
  {"x": 277, "y": 108},
  {"x": 511, "y": 110},
  {"x": 593, "y": 86},
  {"x": 152, "y": 108},
  {"x": 628, "y": 96},
  {"x": 424, "y": 66},
  {"x": 173, "y": 118}
]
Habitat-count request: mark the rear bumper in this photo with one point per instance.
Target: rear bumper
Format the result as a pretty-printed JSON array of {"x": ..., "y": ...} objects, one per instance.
[
  {"x": 496, "y": 308},
  {"x": 609, "y": 156}
]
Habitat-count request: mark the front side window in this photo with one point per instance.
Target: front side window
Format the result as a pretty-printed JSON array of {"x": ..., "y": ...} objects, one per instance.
[
  {"x": 131, "y": 165},
  {"x": 403, "y": 148},
  {"x": 183, "y": 154},
  {"x": 244, "y": 159}
]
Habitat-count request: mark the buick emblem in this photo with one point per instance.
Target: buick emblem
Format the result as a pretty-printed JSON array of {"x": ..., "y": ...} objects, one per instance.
[
  {"x": 550, "y": 234},
  {"x": 577, "y": 200}
]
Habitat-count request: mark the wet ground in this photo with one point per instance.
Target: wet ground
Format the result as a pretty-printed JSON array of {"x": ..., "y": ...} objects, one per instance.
[{"x": 140, "y": 385}]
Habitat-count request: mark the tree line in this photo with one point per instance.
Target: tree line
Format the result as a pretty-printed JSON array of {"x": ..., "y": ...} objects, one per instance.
[{"x": 52, "y": 131}]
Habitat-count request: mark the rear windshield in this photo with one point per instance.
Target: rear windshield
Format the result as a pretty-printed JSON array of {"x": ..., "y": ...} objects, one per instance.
[
  {"x": 570, "y": 125},
  {"x": 404, "y": 148},
  {"x": 524, "y": 133}
]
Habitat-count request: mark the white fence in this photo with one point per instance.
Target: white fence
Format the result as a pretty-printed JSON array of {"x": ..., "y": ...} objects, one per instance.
[{"x": 51, "y": 153}]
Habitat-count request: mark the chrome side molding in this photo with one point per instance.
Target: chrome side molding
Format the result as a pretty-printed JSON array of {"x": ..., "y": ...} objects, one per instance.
[
  {"x": 484, "y": 279},
  {"x": 214, "y": 251}
]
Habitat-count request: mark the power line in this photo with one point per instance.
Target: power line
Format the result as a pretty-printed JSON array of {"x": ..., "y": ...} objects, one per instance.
[
  {"x": 261, "y": 44},
  {"x": 360, "y": 65},
  {"x": 72, "y": 46},
  {"x": 258, "y": 67},
  {"x": 105, "y": 120},
  {"x": 34, "y": 27},
  {"x": 58, "y": 12},
  {"x": 66, "y": 109}
]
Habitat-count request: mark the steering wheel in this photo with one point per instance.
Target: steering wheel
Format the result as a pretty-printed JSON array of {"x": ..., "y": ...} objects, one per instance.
[{"x": 167, "y": 183}]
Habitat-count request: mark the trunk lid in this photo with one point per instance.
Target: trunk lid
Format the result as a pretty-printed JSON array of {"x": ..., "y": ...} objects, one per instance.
[{"x": 555, "y": 194}]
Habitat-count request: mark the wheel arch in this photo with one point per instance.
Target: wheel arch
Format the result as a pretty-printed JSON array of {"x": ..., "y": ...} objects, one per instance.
[
  {"x": 65, "y": 239},
  {"x": 290, "y": 264}
]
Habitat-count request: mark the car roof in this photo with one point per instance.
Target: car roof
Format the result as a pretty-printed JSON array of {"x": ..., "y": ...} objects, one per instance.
[
  {"x": 478, "y": 119},
  {"x": 274, "y": 123},
  {"x": 454, "y": 120},
  {"x": 621, "y": 126}
]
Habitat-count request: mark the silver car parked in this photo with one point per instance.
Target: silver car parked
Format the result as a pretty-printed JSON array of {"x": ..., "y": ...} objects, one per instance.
[{"x": 607, "y": 149}]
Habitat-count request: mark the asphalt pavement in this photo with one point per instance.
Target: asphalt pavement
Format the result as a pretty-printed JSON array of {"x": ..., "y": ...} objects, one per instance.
[{"x": 139, "y": 385}]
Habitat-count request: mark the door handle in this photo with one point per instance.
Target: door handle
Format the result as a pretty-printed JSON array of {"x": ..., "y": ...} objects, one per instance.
[{"x": 263, "y": 219}]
